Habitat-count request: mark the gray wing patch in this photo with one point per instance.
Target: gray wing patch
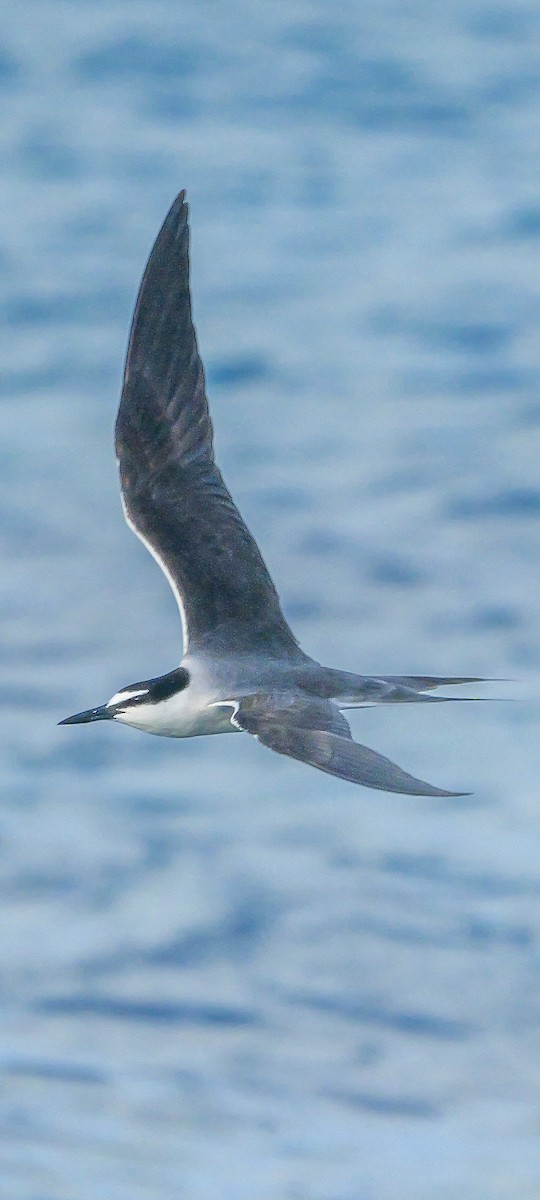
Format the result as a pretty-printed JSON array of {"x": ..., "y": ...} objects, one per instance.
[
  {"x": 173, "y": 493},
  {"x": 318, "y": 734},
  {"x": 264, "y": 710},
  {"x": 163, "y": 415}
]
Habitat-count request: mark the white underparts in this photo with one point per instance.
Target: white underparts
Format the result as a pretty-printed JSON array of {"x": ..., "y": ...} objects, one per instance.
[{"x": 185, "y": 714}]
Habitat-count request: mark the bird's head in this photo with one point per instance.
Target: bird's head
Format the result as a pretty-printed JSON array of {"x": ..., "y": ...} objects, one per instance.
[{"x": 137, "y": 704}]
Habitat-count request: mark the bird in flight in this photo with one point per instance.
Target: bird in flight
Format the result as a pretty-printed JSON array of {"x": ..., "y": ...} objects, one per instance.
[{"x": 242, "y": 667}]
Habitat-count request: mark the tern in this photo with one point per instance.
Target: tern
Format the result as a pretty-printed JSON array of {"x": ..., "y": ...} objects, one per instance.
[{"x": 242, "y": 667}]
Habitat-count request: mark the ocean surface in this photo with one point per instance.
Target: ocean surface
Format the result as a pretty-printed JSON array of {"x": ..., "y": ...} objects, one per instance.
[{"x": 225, "y": 976}]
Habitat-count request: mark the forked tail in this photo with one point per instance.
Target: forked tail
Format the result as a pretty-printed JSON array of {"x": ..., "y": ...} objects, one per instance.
[{"x": 349, "y": 690}]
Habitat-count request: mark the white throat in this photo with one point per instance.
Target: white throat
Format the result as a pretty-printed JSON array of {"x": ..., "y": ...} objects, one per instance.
[{"x": 181, "y": 715}]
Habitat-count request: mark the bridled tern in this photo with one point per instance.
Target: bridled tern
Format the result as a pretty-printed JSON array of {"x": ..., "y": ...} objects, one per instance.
[{"x": 242, "y": 668}]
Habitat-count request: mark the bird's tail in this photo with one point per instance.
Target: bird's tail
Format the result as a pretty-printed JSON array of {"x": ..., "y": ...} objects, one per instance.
[{"x": 348, "y": 690}]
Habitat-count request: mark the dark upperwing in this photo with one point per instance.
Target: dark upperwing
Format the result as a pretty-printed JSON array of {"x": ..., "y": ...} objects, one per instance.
[{"x": 173, "y": 493}]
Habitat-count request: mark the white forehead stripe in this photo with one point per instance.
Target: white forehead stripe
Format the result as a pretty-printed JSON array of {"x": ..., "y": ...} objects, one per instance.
[{"x": 125, "y": 695}]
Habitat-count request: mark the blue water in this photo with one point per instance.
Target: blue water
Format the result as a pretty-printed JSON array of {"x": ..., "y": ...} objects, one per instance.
[{"x": 225, "y": 976}]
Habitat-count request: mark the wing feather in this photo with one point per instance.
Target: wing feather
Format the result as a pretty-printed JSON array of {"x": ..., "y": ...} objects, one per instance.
[
  {"x": 173, "y": 493},
  {"x": 317, "y": 733}
]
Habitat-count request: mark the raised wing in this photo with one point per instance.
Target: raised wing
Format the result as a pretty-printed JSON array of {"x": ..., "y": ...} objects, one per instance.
[
  {"x": 317, "y": 733},
  {"x": 174, "y": 497}
]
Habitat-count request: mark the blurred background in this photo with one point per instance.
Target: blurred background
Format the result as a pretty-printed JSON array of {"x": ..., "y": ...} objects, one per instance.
[{"x": 226, "y": 976}]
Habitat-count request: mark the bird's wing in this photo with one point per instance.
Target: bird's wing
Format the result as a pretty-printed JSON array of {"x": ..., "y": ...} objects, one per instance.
[
  {"x": 174, "y": 497},
  {"x": 317, "y": 733}
]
